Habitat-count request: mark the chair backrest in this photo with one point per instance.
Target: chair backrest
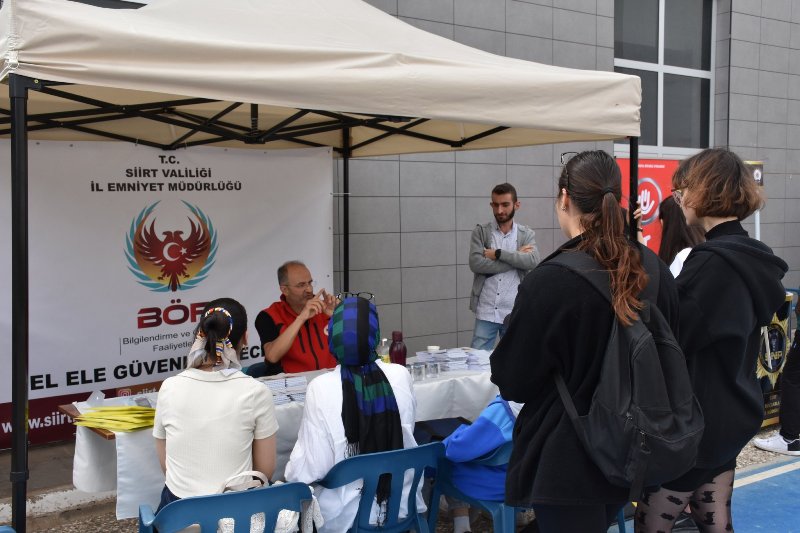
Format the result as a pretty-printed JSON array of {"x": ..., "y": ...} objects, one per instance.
[
  {"x": 206, "y": 511},
  {"x": 369, "y": 467}
]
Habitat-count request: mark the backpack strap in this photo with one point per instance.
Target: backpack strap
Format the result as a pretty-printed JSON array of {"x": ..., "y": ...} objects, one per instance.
[
  {"x": 588, "y": 268},
  {"x": 569, "y": 407}
]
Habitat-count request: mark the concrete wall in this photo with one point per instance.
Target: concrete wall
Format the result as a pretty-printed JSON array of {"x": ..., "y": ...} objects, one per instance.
[
  {"x": 761, "y": 120},
  {"x": 411, "y": 216}
]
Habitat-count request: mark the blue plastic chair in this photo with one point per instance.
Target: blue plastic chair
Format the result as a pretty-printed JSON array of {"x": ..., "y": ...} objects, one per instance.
[
  {"x": 503, "y": 516},
  {"x": 6, "y": 529},
  {"x": 369, "y": 467},
  {"x": 206, "y": 511}
]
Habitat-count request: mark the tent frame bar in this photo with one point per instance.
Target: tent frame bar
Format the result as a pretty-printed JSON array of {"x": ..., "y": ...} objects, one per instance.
[
  {"x": 169, "y": 112},
  {"x": 346, "y": 152},
  {"x": 633, "y": 187},
  {"x": 18, "y": 87}
]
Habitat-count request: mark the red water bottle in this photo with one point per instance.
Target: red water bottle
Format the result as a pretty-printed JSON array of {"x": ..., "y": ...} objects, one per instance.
[{"x": 397, "y": 351}]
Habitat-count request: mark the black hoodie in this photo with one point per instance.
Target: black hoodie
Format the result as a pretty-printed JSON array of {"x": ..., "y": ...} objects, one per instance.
[{"x": 728, "y": 289}]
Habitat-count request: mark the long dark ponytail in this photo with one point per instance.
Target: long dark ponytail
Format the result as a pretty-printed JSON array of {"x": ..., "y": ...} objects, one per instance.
[
  {"x": 676, "y": 234},
  {"x": 593, "y": 183}
]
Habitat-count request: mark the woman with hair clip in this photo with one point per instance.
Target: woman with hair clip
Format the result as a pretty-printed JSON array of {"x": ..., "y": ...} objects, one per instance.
[
  {"x": 561, "y": 323},
  {"x": 212, "y": 421},
  {"x": 730, "y": 287},
  {"x": 363, "y": 406}
]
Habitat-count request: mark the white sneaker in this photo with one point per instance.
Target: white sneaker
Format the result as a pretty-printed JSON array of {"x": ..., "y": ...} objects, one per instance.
[{"x": 776, "y": 443}]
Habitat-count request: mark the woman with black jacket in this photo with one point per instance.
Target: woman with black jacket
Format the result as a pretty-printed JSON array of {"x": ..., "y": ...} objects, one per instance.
[
  {"x": 561, "y": 323},
  {"x": 730, "y": 287}
]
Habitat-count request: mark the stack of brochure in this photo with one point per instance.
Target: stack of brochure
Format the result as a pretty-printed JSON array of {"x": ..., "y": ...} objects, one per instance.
[
  {"x": 117, "y": 418},
  {"x": 450, "y": 359},
  {"x": 454, "y": 359},
  {"x": 478, "y": 360},
  {"x": 287, "y": 389}
]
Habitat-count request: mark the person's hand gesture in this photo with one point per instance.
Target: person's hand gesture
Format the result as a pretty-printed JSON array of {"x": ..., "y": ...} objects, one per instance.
[
  {"x": 312, "y": 307},
  {"x": 328, "y": 300},
  {"x": 637, "y": 215}
]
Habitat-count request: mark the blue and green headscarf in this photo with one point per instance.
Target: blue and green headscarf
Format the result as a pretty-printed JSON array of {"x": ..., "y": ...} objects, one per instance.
[{"x": 369, "y": 408}]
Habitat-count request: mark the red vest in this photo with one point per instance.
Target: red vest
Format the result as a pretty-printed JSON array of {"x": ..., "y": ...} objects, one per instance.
[{"x": 309, "y": 351}]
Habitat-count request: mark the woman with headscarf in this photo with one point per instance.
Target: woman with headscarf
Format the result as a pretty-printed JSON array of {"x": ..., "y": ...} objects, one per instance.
[{"x": 363, "y": 406}]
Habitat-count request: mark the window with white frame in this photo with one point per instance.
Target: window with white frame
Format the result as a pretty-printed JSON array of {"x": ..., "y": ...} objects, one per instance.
[{"x": 668, "y": 44}]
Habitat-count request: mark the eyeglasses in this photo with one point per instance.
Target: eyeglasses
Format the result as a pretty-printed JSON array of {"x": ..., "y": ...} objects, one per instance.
[
  {"x": 303, "y": 285},
  {"x": 678, "y": 195},
  {"x": 565, "y": 157},
  {"x": 362, "y": 294}
]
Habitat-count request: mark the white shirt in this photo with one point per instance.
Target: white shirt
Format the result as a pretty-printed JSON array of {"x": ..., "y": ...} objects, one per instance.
[
  {"x": 499, "y": 291},
  {"x": 677, "y": 264},
  {"x": 321, "y": 444},
  {"x": 209, "y": 420}
]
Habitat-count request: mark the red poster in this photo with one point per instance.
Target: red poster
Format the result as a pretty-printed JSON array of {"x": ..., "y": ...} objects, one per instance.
[{"x": 655, "y": 184}]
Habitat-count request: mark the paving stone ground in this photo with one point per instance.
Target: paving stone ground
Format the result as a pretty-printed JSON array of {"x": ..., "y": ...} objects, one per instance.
[{"x": 102, "y": 519}]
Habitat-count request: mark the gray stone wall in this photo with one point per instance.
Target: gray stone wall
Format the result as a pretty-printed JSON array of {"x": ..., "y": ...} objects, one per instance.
[
  {"x": 411, "y": 216},
  {"x": 761, "y": 120}
]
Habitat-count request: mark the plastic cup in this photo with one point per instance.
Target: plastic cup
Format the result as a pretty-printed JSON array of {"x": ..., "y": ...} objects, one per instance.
[
  {"x": 432, "y": 370},
  {"x": 418, "y": 371}
]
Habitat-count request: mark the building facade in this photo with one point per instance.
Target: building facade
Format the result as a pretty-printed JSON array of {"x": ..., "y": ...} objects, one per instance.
[{"x": 714, "y": 73}]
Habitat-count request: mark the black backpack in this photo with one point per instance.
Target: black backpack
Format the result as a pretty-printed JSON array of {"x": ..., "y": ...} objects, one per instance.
[{"x": 644, "y": 423}]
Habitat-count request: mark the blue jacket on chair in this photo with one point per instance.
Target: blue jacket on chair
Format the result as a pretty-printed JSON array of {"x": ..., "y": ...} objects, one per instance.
[{"x": 492, "y": 429}]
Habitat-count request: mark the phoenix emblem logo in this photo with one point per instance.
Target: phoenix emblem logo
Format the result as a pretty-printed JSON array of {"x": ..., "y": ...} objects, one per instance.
[{"x": 172, "y": 263}]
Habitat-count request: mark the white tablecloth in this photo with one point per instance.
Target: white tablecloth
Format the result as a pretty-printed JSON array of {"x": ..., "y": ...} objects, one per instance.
[{"x": 129, "y": 463}]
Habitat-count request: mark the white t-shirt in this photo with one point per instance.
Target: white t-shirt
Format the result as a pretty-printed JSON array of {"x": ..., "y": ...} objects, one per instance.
[
  {"x": 321, "y": 444},
  {"x": 209, "y": 420}
]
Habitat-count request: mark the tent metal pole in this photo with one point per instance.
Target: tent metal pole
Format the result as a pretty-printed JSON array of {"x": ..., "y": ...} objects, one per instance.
[
  {"x": 633, "y": 197},
  {"x": 346, "y": 151},
  {"x": 18, "y": 92}
]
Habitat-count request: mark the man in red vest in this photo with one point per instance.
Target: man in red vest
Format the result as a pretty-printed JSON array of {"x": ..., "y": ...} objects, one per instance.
[{"x": 294, "y": 330}]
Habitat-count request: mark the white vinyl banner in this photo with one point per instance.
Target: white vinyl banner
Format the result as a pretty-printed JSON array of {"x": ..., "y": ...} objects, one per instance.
[{"x": 128, "y": 243}]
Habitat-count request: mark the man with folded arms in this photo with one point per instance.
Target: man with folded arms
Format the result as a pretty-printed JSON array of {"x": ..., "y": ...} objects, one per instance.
[{"x": 500, "y": 254}]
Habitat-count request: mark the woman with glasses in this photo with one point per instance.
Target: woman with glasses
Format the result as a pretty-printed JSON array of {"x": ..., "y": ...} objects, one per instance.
[
  {"x": 292, "y": 330},
  {"x": 561, "y": 323},
  {"x": 730, "y": 287},
  {"x": 363, "y": 406}
]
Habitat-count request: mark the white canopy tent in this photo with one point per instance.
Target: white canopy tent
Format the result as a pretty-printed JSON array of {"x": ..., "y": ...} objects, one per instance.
[
  {"x": 340, "y": 56},
  {"x": 268, "y": 74}
]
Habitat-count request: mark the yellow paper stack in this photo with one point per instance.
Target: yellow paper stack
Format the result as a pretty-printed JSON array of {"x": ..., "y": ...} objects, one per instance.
[{"x": 122, "y": 418}]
